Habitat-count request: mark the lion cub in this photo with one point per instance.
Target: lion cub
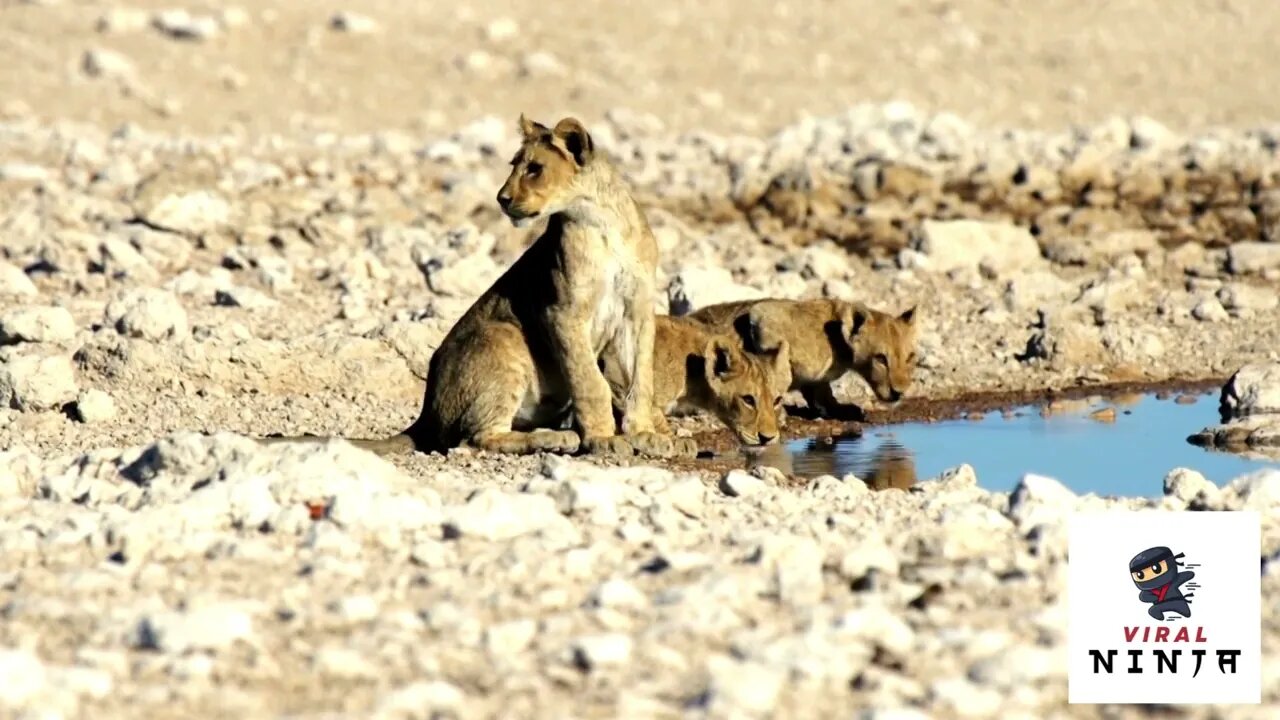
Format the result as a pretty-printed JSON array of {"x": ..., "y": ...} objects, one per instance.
[
  {"x": 695, "y": 369},
  {"x": 529, "y": 349},
  {"x": 827, "y": 338}
]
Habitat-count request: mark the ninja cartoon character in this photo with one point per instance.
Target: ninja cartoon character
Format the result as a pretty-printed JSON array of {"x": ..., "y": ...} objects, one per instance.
[{"x": 1155, "y": 572}]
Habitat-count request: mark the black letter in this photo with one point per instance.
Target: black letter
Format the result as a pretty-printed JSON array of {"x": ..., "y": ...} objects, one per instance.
[
  {"x": 1199, "y": 659},
  {"x": 1099, "y": 661},
  {"x": 1227, "y": 657},
  {"x": 1169, "y": 660},
  {"x": 1135, "y": 654}
]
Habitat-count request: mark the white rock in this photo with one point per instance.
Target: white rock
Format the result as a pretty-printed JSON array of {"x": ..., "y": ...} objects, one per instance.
[
  {"x": 212, "y": 627},
  {"x": 508, "y": 639},
  {"x": 123, "y": 20},
  {"x": 1239, "y": 296},
  {"x": 341, "y": 662},
  {"x": 25, "y": 678},
  {"x": 879, "y": 625},
  {"x": 34, "y": 382},
  {"x": 794, "y": 564},
  {"x": 194, "y": 213},
  {"x": 1253, "y": 390},
  {"x": 501, "y": 29},
  {"x": 94, "y": 406},
  {"x": 618, "y": 593},
  {"x": 463, "y": 277},
  {"x": 1252, "y": 257},
  {"x": 356, "y": 608},
  {"x": 496, "y": 515},
  {"x": 592, "y": 652},
  {"x": 243, "y": 297},
  {"x": 1209, "y": 310},
  {"x": 973, "y": 531},
  {"x": 953, "y": 244},
  {"x": 354, "y": 23},
  {"x": 149, "y": 314},
  {"x": 695, "y": 288},
  {"x": 687, "y": 495},
  {"x": 541, "y": 64},
  {"x": 423, "y": 699},
  {"x": 14, "y": 282},
  {"x": 1038, "y": 499},
  {"x": 961, "y": 476},
  {"x": 23, "y": 172},
  {"x": 966, "y": 699},
  {"x": 872, "y": 554},
  {"x": 1259, "y": 490},
  {"x": 109, "y": 64},
  {"x": 597, "y": 499},
  {"x": 1147, "y": 133},
  {"x": 120, "y": 259},
  {"x": 182, "y": 25},
  {"x": 737, "y": 483},
  {"x": 35, "y": 324},
  {"x": 743, "y": 686},
  {"x": 1186, "y": 485}
]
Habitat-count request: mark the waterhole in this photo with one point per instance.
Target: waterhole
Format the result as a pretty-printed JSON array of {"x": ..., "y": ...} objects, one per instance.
[{"x": 1122, "y": 445}]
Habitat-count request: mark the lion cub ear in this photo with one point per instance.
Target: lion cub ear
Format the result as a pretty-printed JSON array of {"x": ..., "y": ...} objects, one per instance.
[
  {"x": 781, "y": 355},
  {"x": 530, "y": 130},
  {"x": 721, "y": 359},
  {"x": 576, "y": 140},
  {"x": 856, "y": 317},
  {"x": 908, "y": 317}
]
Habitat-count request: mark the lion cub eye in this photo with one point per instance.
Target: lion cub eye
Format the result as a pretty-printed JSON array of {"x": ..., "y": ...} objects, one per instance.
[
  {"x": 749, "y": 400},
  {"x": 880, "y": 358},
  {"x": 911, "y": 359},
  {"x": 777, "y": 402},
  {"x": 533, "y": 169}
]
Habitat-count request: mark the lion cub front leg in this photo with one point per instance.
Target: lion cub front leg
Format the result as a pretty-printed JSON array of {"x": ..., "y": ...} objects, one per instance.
[
  {"x": 588, "y": 390},
  {"x": 822, "y": 401},
  {"x": 639, "y": 423}
]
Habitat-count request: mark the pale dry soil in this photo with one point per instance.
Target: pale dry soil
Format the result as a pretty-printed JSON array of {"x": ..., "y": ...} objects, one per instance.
[{"x": 268, "y": 225}]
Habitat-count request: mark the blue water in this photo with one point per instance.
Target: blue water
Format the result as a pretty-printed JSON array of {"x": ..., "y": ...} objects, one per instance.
[{"x": 1129, "y": 456}]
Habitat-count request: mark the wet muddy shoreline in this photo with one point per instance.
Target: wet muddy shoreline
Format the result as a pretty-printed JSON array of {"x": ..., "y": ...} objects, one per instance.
[{"x": 721, "y": 451}]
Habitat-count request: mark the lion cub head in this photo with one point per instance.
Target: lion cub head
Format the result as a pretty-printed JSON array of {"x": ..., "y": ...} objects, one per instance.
[
  {"x": 545, "y": 171},
  {"x": 746, "y": 388},
  {"x": 884, "y": 349}
]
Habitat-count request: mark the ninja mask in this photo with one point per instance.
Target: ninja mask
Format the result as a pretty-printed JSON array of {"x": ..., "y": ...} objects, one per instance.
[{"x": 1153, "y": 569}]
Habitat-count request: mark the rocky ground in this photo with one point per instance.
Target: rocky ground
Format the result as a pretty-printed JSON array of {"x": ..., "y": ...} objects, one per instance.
[{"x": 181, "y": 268}]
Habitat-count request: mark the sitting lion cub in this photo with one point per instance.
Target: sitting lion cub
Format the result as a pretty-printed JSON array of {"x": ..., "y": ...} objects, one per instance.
[
  {"x": 696, "y": 369},
  {"x": 530, "y": 347},
  {"x": 528, "y": 351},
  {"x": 827, "y": 339}
]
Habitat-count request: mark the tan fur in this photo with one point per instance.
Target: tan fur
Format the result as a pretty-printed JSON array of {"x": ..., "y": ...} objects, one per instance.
[
  {"x": 528, "y": 351},
  {"x": 695, "y": 369},
  {"x": 827, "y": 339}
]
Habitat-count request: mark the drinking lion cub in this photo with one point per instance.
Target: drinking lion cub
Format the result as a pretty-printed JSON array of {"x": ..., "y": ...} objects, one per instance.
[
  {"x": 694, "y": 368},
  {"x": 827, "y": 338}
]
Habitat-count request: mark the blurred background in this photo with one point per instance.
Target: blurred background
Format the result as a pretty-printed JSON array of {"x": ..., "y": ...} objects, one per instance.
[{"x": 749, "y": 66}]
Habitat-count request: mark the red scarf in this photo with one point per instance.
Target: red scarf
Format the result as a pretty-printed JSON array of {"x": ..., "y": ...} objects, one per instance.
[{"x": 1162, "y": 591}]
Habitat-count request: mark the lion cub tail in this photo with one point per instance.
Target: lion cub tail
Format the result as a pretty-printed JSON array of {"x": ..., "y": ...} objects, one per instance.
[{"x": 395, "y": 444}]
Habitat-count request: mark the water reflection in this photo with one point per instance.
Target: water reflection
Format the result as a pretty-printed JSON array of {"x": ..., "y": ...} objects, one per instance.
[
  {"x": 1122, "y": 445},
  {"x": 881, "y": 465}
]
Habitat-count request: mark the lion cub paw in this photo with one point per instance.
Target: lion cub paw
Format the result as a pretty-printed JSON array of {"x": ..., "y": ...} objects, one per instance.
[
  {"x": 685, "y": 447},
  {"x": 555, "y": 441},
  {"x": 608, "y": 445},
  {"x": 653, "y": 444}
]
